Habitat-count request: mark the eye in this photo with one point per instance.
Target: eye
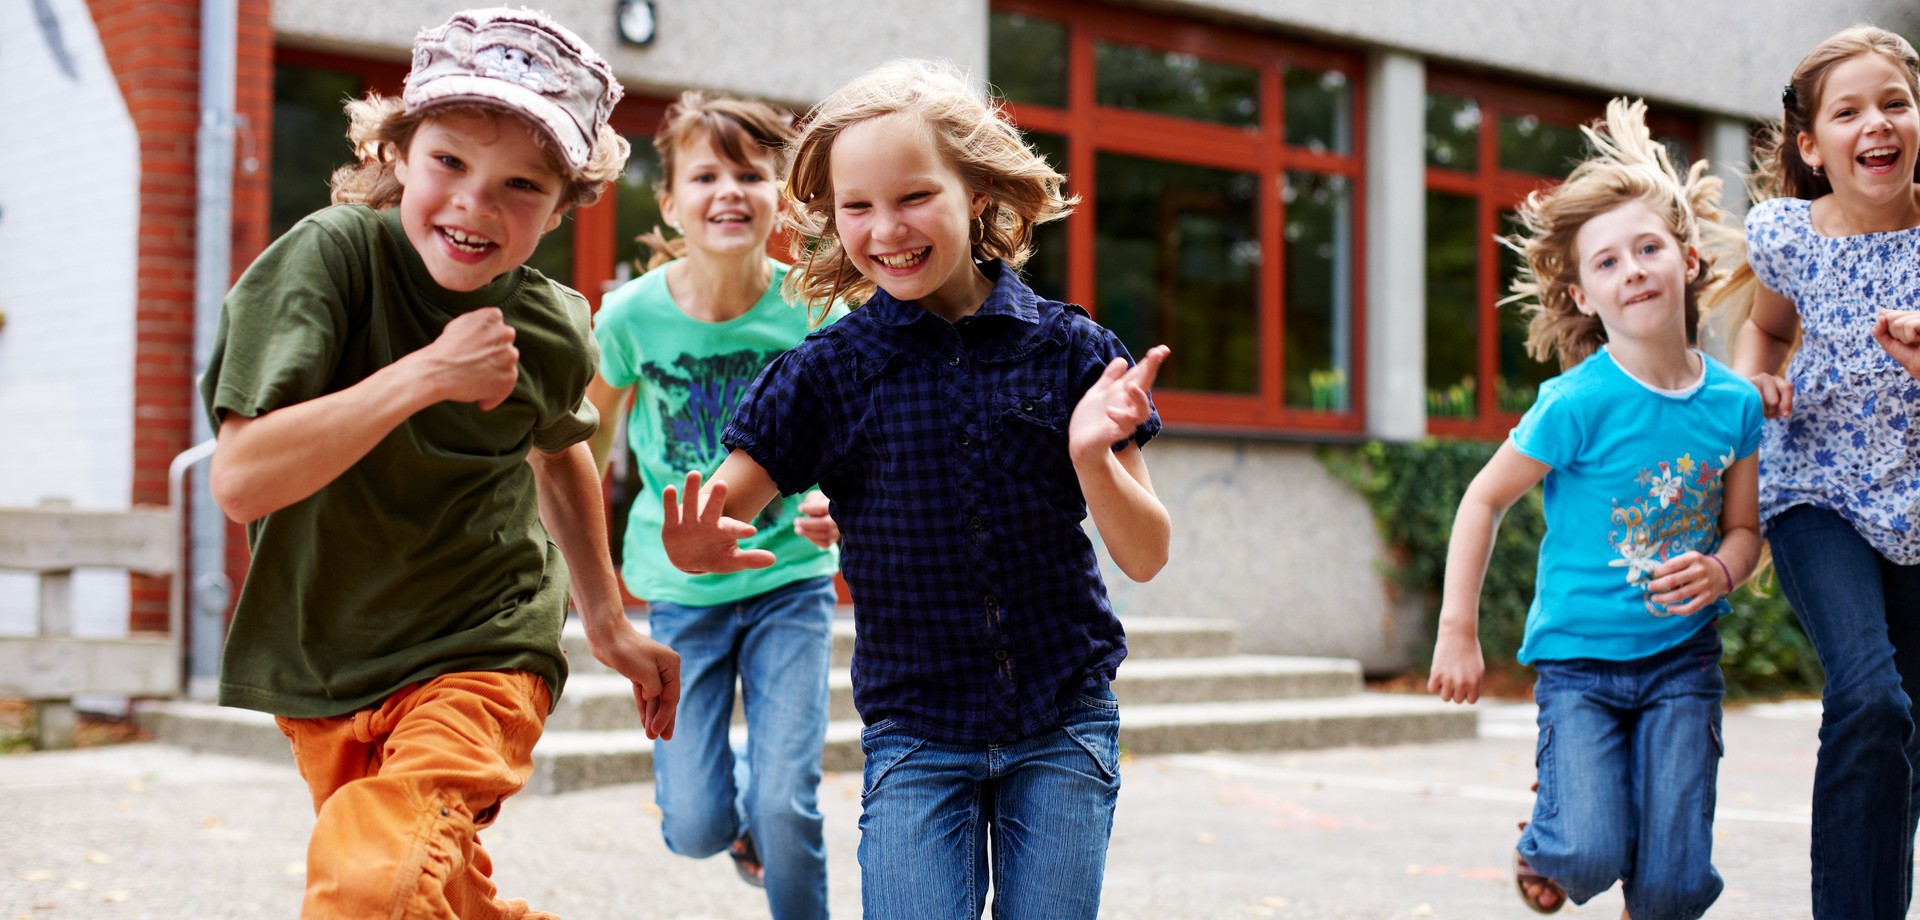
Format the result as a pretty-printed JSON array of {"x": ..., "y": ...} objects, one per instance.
[
  {"x": 853, "y": 207},
  {"x": 1649, "y": 248},
  {"x": 525, "y": 185},
  {"x": 1607, "y": 262},
  {"x": 449, "y": 161},
  {"x": 917, "y": 196},
  {"x": 752, "y": 176}
]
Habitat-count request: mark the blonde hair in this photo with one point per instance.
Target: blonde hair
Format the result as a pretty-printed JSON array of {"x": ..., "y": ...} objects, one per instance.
[
  {"x": 1778, "y": 169},
  {"x": 380, "y": 129},
  {"x": 738, "y": 129},
  {"x": 1627, "y": 166},
  {"x": 971, "y": 134}
]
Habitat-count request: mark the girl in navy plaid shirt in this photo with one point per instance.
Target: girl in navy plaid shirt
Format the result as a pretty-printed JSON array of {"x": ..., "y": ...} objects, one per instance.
[{"x": 963, "y": 428}]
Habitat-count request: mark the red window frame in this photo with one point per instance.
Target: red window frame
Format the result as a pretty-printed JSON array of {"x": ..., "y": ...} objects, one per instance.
[
  {"x": 1495, "y": 191},
  {"x": 1090, "y": 129}
]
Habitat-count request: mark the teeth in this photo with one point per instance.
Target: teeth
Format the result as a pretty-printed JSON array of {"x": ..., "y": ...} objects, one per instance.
[
  {"x": 465, "y": 241},
  {"x": 901, "y": 259}
]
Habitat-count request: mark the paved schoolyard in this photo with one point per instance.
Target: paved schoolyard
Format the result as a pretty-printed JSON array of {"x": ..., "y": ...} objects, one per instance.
[{"x": 1413, "y": 831}]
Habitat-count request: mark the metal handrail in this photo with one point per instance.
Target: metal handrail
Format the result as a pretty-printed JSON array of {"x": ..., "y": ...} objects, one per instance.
[{"x": 177, "y": 590}]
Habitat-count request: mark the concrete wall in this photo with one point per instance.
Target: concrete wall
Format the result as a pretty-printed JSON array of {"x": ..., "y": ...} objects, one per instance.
[{"x": 67, "y": 266}]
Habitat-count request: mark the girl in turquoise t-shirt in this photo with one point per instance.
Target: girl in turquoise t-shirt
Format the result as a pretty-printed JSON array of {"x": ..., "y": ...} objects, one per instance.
[
  {"x": 681, "y": 343},
  {"x": 1647, "y": 448}
]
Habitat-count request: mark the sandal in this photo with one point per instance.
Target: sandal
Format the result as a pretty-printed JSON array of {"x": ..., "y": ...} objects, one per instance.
[
  {"x": 1523, "y": 876},
  {"x": 746, "y": 861}
]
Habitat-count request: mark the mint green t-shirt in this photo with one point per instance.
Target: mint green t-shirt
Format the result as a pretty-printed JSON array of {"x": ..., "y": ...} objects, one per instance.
[
  {"x": 687, "y": 376},
  {"x": 427, "y": 556}
]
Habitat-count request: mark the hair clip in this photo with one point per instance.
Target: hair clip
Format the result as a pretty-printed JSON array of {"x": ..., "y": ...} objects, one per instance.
[{"x": 1789, "y": 98}]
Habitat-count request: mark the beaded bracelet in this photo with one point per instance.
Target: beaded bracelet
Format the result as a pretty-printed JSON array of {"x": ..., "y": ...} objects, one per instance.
[{"x": 1724, "y": 571}]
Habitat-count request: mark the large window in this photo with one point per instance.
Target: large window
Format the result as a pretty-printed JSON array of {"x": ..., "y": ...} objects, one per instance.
[
  {"x": 1219, "y": 176},
  {"x": 1487, "y": 146}
]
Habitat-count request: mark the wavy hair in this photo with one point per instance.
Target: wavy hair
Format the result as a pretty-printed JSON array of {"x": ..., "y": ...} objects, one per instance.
[
  {"x": 738, "y": 129},
  {"x": 971, "y": 133}
]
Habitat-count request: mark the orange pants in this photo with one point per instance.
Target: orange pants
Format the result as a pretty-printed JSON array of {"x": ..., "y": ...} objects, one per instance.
[{"x": 402, "y": 790}]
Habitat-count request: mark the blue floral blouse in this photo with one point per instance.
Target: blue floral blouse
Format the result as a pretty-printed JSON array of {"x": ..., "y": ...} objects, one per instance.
[{"x": 1849, "y": 444}]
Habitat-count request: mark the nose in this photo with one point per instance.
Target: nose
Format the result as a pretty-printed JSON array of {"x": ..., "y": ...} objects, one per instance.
[
  {"x": 888, "y": 224},
  {"x": 475, "y": 198}
]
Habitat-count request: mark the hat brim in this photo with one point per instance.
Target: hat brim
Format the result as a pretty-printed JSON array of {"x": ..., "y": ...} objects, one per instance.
[{"x": 574, "y": 145}]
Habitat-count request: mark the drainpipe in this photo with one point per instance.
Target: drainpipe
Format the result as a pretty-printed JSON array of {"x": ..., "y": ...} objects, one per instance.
[{"x": 212, "y": 265}]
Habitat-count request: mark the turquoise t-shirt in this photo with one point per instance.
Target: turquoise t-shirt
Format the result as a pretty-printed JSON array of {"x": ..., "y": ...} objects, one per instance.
[
  {"x": 687, "y": 376},
  {"x": 1636, "y": 480}
]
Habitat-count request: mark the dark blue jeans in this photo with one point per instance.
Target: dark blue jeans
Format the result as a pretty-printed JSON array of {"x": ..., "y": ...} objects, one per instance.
[{"x": 1863, "y": 614}]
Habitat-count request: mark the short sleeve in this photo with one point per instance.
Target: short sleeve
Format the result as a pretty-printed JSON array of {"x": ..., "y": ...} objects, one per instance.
[
  {"x": 561, "y": 430},
  {"x": 1752, "y": 423},
  {"x": 1551, "y": 431},
  {"x": 616, "y": 330},
  {"x": 1099, "y": 349},
  {"x": 282, "y": 326},
  {"x": 784, "y": 424},
  {"x": 1777, "y": 236}
]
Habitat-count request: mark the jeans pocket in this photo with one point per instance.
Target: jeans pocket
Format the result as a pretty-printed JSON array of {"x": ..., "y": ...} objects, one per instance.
[
  {"x": 1094, "y": 725},
  {"x": 885, "y": 746},
  {"x": 1546, "y": 803}
]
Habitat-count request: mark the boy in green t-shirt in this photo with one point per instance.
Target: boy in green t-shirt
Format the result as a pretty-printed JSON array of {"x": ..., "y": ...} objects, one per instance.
[{"x": 402, "y": 424}]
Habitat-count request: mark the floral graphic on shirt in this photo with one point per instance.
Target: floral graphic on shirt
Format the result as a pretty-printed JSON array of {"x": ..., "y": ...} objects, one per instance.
[
  {"x": 1676, "y": 511},
  {"x": 697, "y": 397}
]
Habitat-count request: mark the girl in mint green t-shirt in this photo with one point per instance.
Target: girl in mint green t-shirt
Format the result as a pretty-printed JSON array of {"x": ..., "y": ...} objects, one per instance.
[{"x": 678, "y": 346}]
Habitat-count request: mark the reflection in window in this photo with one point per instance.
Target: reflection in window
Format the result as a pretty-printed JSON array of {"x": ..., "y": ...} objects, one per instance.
[
  {"x": 1177, "y": 253},
  {"x": 1046, "y": 269},
  {"x": 310, "y": 139},
  {"x": 636, "y": 211},
  {"x": 1453, "y": 248},
  {"x": 1028, "y": 59},
  {"x": 1542, "y": 148},
  {"x": 1319, "y": 110},
  {"x": 1172, "y": 83},
  {"x": 1520, "y": 375},
  {"x": 1453, "y": 132},
  {"x": 1319, "y": 290}
]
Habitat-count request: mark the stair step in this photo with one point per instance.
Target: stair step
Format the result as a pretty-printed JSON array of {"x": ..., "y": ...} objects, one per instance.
[
  {"x": 570, "y": 760},
  {"x": 604, "y": 701},
  {"x": 1147, "y": 638}
]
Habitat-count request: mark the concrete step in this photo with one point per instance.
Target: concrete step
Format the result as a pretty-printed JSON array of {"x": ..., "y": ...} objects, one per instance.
[
  {"x": 1147, "y": 638},
  {"x": 604, "y": 701},
  {"x": 570, "y": 760}
]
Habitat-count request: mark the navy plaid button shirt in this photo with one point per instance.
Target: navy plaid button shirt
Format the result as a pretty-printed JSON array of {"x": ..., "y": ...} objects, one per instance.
[{"x": 943, "y": 447}]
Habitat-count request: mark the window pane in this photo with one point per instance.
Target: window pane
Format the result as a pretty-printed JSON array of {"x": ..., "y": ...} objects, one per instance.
[
  {"x": 1171, "y": 83},
  {"x": 1453, "y": 325},
  {"x": 1543, "y": 148},
  {"x": 1027, "y": 59},
  {"x": 1177, "y": 254},
  {"x": 1520, "y": 376},
  {"x": 310, "y": 139},
  {"x": 1319, "y": 290},
  {"x": 1679, "y": 151},
  {"x": 1319, "y": 110},
  {"x": 1046, "y": 269},
  {"x": 1453, "y": 132},
  {"x": 635, "y": 210}
]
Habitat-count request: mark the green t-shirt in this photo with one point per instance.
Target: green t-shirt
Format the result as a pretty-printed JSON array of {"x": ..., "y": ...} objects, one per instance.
[
  {"x": 427, "y": 556},
  {"x": 687, "y": 375}
]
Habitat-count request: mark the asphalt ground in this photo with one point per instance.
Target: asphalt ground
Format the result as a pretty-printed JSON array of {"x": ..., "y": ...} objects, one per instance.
[{"x": 1412, "y": 831}]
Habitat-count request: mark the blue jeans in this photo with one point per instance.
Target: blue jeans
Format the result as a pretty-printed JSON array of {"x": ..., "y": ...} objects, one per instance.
[
  {"x": 778, "y": 644},
  {"x": 1863, "y": 614},
  {"x": 1628, "y": 759},
  {"x": 930, "y": 809}
]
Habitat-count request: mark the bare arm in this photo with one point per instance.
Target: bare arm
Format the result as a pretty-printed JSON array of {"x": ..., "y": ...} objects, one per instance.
[
  {"x": 1129, "y": 516},
  {"x": 1761, "y": 348},
  {"x": 570, "y": 507},
  {"x": 703, "y": 534},
  {"x": 266, "y": 463},
  {"x": 1690, "y": 581},
  {"x": 611, "y": 402},
  {"x": 1457, "y": 663}
]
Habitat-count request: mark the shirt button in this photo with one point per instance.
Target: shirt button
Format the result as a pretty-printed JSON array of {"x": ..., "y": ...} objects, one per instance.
[
  {"x": 978, "y": 523},
  {"x": 966, "y": 441},
  {"x": 993, "y": 601},
  {"x": 953, "y": 360},
  {"x": 999, "y": 654}
]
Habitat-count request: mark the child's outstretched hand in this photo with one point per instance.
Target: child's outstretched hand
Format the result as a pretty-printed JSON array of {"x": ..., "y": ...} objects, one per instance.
[
  {"x": 814, "y": 522},
  {"x": 699, "y": 539},
  {"x": 1687, "y": 583},
  {"x": 473, "y": 359},
  {"x": 1458, "y": 667},
  {"x": 1114, "y": 406},
  {"x": 1776, "y": 394},
  {"x": 1898, "y": 331}
]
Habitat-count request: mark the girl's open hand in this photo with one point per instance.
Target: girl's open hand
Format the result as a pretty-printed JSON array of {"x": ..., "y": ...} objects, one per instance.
[
  {"x": 1687, "y": 583},
  {"x": 1898, "y": 331},
  {"x": 1114, "y": 406},
  {"x": 1776, "y": 394},
  {"x": 699, "y": 539}
]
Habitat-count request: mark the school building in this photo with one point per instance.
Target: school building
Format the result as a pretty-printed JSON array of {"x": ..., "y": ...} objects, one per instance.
[{"x": 1299, "y": 197}]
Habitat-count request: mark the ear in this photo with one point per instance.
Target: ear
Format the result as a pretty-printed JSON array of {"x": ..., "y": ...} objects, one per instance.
[
  {"x": 559, "y": 214},
  {"x": 400, "y": 168},
  {"x": 1693, "y": 262},
  {"x": 666, "y": 210},
  {"x": 977, "y": 204},
  {"x": 1809, "y": 153},
  {"x": 1579, "y": 299}
]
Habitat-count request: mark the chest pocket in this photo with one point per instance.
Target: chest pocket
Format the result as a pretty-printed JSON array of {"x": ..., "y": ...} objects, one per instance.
[{"x": 1031, "y": 430}]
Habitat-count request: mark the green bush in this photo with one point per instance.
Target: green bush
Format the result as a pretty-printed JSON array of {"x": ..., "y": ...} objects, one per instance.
[{"x": 1414, "y": 490}]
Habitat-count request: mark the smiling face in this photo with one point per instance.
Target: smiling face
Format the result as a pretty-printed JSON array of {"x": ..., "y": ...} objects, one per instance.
[
  {"x": 477, "y": 194},
  {"x": 904, "y": 215},
  {"x": 1634, "y": 274},
  {"x": 1866, "y": 132},
  {"x": 720, "y": 206}
]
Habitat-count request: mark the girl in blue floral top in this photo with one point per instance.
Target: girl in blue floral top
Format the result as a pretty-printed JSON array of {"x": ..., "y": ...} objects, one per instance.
[
  {"x": 1647, "y": 449},
  {"x": 1835, "y": 254}
]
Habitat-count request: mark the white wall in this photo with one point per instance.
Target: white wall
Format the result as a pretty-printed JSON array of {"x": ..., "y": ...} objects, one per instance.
[{"x": 69, "y": 215}]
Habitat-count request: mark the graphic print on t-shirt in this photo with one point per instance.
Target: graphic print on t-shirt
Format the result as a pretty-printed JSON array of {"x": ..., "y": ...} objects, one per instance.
[
  {"x": 1678, "y": 511},
  {"x": 697, "y": 396}
]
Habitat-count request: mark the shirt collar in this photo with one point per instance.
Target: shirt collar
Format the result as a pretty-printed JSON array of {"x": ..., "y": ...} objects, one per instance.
[{"x": 1010, "y": 298}]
